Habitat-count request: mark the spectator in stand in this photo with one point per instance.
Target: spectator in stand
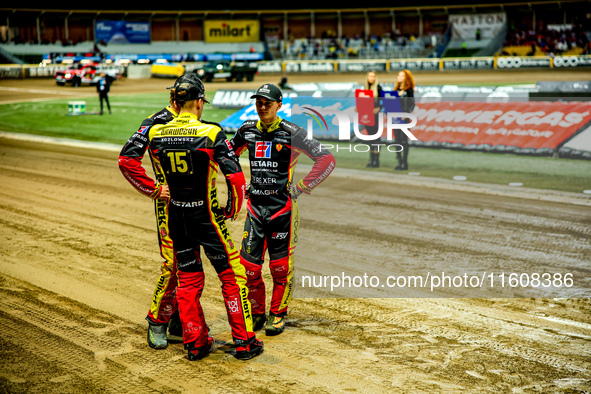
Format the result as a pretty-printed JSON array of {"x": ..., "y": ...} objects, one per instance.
[{"x": 551, "y": 40}]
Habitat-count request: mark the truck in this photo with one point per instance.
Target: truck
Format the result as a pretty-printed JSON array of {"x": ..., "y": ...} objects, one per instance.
[
  {"x": 84, "y": 74},
  {"x": 227, "y": 70}
]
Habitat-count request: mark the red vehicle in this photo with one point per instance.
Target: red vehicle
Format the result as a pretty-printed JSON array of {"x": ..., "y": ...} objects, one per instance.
[{"x": 83, "y": 74}]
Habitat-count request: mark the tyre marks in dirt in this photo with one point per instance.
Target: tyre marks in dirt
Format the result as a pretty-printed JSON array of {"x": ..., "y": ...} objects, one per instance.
[
  {"x": 79, "y": 261},
  {"x": 81, "y": 344},
  {"x": 354, "y": 227},
  {"x": 471, "y": 349},
  {"x": 415, "y": 230},
  {"x": 81, "y": 349}
]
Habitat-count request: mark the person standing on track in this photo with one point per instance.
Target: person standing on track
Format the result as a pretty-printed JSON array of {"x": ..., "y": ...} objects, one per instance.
[
  {"x": 188, "y": 152},
  {"x": 404, "y": 86},
  {"x": 272, "y": 220},
  {"x": 102, "y": 87},
  {"x": 163, "y": 312}
]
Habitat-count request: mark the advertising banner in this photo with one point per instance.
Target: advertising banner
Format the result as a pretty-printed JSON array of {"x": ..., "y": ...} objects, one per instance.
[
  {"x": 364, "y": 103},
  {"x": 475, "y": 63},
  {"x": 572, "y": 61},
  {"x": 465, "y": 26},
  {"x": 309, "y": 66},
  {"x": 414, "y": 64},
  {"x": 444, "y": 64},
  {"x": 122, "y": 32},
  {"x": 224, "y": 98},
  {"x": 523, "y": 62},
  {"x": 11, "y": 72},
  {"x": 537, "y": 127},
  {"x": 270, "y": 67},
  {"x": 232, "y": 30},
  {"x": 362, "y": 66},
  {"x": 471, "y": 93},
  {"x": 554, "y": 87}
]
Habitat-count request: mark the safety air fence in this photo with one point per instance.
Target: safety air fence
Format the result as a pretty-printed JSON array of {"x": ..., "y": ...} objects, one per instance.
[{"x": 313, "y": 66}]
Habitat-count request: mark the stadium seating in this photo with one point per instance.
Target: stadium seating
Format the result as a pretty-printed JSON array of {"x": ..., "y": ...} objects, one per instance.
[
  {"x": 357, "y": 48},
  {"x": 551, "y": 40}
]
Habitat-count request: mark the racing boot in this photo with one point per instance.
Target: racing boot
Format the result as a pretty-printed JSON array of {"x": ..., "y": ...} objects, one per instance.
[
  {"x": 258, "y": 321},
  {"x": 157, "y": 335},
  {"x": 376, "y": 159},
  {"x": 275, "y": 325},
  {"x": 175, "y": 328},
  {"x": 197, "y": 353},
  {"x": 404, "y": 164},
  {"x": 399, "y": 158},
  {"x": 245, "y": 350}
]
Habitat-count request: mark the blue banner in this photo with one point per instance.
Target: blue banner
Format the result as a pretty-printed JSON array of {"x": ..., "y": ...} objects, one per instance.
[{"x": 122, "y": 32}]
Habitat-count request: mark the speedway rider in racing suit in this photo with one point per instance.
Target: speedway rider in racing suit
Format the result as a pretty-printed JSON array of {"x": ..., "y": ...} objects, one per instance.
[
  {"x": 272, "y": 220},
  {"x": 187, "y": 152},
  {"x": 163, "y": 311},
  {"x": 189, "y": 192}
]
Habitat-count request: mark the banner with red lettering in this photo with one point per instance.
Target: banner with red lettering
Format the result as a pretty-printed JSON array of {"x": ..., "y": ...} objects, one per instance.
[
  {"x": 537, "y": 127},
  {"x": 365, "y": 106}
]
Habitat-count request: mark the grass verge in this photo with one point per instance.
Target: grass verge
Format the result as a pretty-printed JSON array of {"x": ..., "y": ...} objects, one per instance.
[{"x": 498, "y": 168}]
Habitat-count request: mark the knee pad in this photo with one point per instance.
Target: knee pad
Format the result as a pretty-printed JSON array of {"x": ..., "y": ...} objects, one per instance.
[
  {"x": 280, "y": 268},
  {"x": 188, "y": 261},
  {"x": 256, "y": 285},
  {"x": 253, "y": 270},
  {"x": 190, "y": 281}
]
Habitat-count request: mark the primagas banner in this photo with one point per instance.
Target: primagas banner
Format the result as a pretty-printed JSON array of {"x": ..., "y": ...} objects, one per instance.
[{"x": 528, "y": 127}]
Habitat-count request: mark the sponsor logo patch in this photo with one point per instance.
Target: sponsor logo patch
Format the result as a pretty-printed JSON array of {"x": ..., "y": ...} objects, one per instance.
[{"x": 263, "y": 150}]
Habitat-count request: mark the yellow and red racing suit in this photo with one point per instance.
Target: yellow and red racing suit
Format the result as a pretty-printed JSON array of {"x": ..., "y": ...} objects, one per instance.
[{"x": 188, "y": 152}]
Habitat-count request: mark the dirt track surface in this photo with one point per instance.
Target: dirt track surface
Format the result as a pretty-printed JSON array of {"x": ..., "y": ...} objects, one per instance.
[{"x": 79, "y": 262}]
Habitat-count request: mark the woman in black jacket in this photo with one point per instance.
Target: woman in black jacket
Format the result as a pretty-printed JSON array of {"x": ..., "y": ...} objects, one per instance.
[
  {"x": 371, "y": 83},
  {"x": 405, "y": 84}
]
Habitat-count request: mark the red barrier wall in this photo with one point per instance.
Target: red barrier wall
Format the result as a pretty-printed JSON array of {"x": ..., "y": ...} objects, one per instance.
[{"x": 521, "y": 126}]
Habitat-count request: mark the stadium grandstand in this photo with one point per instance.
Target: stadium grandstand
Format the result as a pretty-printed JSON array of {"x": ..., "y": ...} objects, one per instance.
[{"x": 426, "y": 30}]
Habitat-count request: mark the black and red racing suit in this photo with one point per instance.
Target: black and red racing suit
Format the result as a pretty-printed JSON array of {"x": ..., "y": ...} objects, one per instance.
[
  {"x": 187, "y": 153},
  {"x": 272, "y": 220},
  {"x": 163, "y": 303}
]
